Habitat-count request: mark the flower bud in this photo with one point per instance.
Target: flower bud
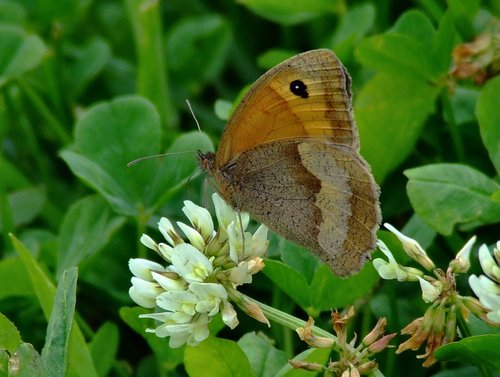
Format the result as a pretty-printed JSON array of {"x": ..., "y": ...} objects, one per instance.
[
  {"x": 413, "y": 249},
  {"x": 367, "y": 367},
  {"x": 376, "y": 332},
  {"x": 306, "y": 335},
  {"x": 461, "y": 263},
  {"x": 451, "y": 325},
  {"x": 313, "y": 367},
  {"x": 381, "y": 344}
]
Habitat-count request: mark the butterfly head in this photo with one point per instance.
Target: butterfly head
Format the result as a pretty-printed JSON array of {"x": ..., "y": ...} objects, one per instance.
[{"x": 206, "y": 161}]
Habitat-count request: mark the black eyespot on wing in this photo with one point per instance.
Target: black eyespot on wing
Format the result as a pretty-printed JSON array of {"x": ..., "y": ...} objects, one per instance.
[{"x": 298, "y": 88}]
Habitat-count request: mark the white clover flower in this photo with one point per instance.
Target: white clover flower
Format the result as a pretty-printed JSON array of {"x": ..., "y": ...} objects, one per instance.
[
  {"x": 142, "y": 268},
  {"x": 430, "y": 292},
  {"x": 236, "y": 243},
  {"x": 210, "y": 296},
  {"x": 191, "y": 263},
  {"x": 489, "y": 264},
  {"x": 388, "y": 270},
  {"x": 240, "y": 274},
  {"x": 200, "y": 219},
  {"x": 178, "y": 301},
  {"x": 260, "y": 243},
  {"x": 194, "y": 284},
  {"x": 144, "y": 293},
  {"x": 169, "y": 283},
  {"x": 165, "y": 251},
  {"x": 168, "y": 231},
  {"x": 229, "y": 316},
  {"x": 191, "y": 333},
  {"x": 226, "y": 215},
  {"x": 195, "y": 238},
  {"x": 487, "y": 287},
  {"x": 149, "y": 242}
]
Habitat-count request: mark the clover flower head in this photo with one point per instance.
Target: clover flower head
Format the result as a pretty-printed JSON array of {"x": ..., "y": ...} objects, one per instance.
[
  {"x": 200, "y": 275},
  {"x": 438, "y": 326},
  {"x": 353, "y": 360}
]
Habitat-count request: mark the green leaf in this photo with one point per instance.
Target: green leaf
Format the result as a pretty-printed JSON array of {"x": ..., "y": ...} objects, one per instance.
[
  {"x": 418, "y": 230},
  {"x": 88, "y": 62},
  {"x": 97, "y": 178},
  {"x": 14, "y": 281},
  {"x": 87, "y": 227},
  {"x": 12, "y": 12},
  {"x": 292, "y": 12},
  {"x": 464, "y": 13},
  {"x": 488, "y": 114},
  {"x": 223, "y": 109},
  {"x": 415, "y": 24},
  {"x": 328, "y": 291},
  {"x": 444, "y": 41},
  {"x": 299, "y": 258},
  {"x": 104, "y": 347},
  {"x": 55, "y": 351},
  {"x": 116, "y": 132},
  {"x": 463, "y": 102},
  {"x": 80, "y": 362},
  {"x": 25, "y": 205},
  {"x": 444, "y": 195},
  {"x": 19, "y": 52},
  {"x": 216, "y": 357},
  {"x": 459, "y": 372},
  {"x": 10, "y": 338},
  {"x": 197, "y": 48},
  {"x": 403, "y": 51},
  {"x": 265, "y": 360},
  {"x": 112, "y": 134},
  {"x": 178, "y": 167},
  {"x": 270, "y": 58},
  {"x": 353, "y": 25},
  {"x": 325, "y": 291},
  {"x": 320, "y": 356},
  {"x": 481, "y": 350},
  {"x": 169, "y": 357},
  {"x": 289, "y": 281},
  {"x": 390, "y": 111}
]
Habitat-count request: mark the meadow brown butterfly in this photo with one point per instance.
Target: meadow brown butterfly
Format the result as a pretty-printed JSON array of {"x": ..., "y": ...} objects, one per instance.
[{"x": 290, "y": 157}]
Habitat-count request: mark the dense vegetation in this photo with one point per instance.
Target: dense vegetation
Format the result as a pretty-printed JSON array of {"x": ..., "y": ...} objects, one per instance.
[{"x": 88, "y": 86}]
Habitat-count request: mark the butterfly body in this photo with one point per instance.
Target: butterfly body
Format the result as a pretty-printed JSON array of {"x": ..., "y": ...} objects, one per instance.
[{"x": 289, "y": 156}]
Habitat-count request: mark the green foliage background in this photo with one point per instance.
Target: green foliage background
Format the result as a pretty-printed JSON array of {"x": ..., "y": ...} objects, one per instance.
[{"x": 87, "y": 86}]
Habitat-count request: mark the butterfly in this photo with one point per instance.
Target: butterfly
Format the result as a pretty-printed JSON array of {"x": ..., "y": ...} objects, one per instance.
[{"x": 289, "y": 156}]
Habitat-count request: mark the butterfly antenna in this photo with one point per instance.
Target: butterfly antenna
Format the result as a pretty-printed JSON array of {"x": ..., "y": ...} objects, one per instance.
[
  {"x": 131, "y": 163},
  {"x": 194, "y": 116}
]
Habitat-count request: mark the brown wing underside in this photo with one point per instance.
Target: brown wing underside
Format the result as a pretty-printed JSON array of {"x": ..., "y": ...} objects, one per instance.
[
  {"x": 270, "y": 111},
  {"x": 318, "y": 195}
]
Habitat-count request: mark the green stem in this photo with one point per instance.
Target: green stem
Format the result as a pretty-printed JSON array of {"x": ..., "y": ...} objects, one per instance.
[
  {"x": 52, "y": 122},
  {"x": 293, "y": 323},
  {"x": 145, "y": 18},
  {"x": 454, "y": 131}
]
